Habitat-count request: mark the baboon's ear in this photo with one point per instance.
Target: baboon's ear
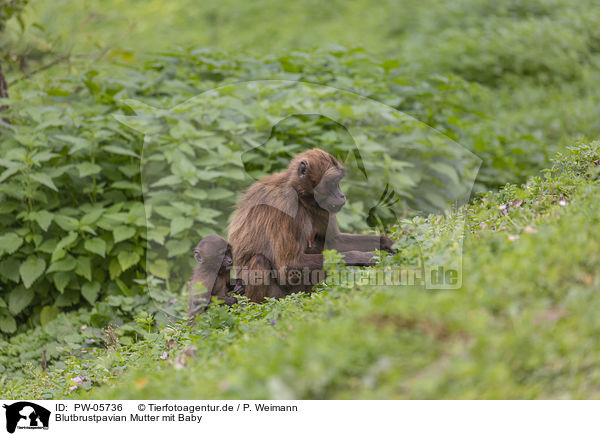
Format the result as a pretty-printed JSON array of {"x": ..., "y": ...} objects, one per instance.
[
  {"x": 197, "y": 256},
  {"x": 302, "y": 169}
]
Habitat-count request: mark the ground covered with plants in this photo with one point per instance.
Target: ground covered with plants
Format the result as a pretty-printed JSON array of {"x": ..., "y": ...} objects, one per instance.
[
  {"x": 513, "y": 82},
  {"x": 522, "y": 326}
]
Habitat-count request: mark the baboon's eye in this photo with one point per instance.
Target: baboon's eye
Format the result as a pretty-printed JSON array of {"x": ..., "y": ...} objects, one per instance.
[{"x": 302, "y": 169}]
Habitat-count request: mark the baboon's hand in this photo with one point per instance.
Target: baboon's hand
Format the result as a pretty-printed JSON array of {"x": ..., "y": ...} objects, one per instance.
[
  {"x": 359, "y": 258},
  {"x": 386, "y": 245},
  {"x": 238, "y": 287},
  {"x": 230, "y": 300}
]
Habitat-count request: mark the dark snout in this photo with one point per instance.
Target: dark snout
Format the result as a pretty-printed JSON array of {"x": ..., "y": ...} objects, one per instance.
[
  {"x": 330, "y": 198},
  {"x": 336, "y": 204},
  {"x": 227, "y": 263}
]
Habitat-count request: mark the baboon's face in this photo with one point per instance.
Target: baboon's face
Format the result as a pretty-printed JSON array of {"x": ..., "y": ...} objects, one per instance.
[
  {"x": 214, "y": 252},
  {"x": 227, "y": 262},
  {"x": 328, "y": 193},
  {"x": 322, "y": 179}
]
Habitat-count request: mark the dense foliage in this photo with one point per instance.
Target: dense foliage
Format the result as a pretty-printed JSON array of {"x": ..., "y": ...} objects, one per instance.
[{"x": 528, "y": 299}]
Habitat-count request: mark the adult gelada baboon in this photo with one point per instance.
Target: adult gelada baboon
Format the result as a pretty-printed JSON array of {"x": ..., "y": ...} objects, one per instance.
[
  {"x": 213, "y": 271},
  {"x": 284, "y": 222}
]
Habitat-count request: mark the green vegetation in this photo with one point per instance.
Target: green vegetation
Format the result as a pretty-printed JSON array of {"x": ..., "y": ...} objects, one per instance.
[
  {"x": 513, "y": 81},
  {"x": 522, "y": 326}
]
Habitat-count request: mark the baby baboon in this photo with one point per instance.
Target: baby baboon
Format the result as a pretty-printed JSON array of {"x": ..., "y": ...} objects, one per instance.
[{"x": 212, "y": 271}]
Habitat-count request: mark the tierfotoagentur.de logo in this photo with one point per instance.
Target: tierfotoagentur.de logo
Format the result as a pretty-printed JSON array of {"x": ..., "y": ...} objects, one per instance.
[{"x": 24, "y": 415}]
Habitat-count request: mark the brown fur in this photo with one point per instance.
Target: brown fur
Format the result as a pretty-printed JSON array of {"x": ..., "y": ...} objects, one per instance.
[
  {"x": 212, "y": 271},
  {"x": 287, "y": 219}
]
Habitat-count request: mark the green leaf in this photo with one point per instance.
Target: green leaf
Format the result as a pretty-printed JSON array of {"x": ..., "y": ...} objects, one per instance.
[
  {"x": 67, "y": 264},
  {"x": 8, "y": 324},
  {"x": 68, "y": 298},
  {"x": 84, "y": 267},
  {"x": 60, "y": 250},
  {"x": 10, "y": 242},
  {"x": 92, "y": 216},
  {"x": 120, "y": 150},
  {"x": 218, "y": 194},
  {"x": 180, "y": 224},
  {"x": 61, "y": 280},
  {"x": 48, "y": 246},
  {"x": 206, "y": 215},
  {"x": 447, "y": 170},
  {"x": 114, "y": 268},
  {"x": 125, "y": 184},
  {"x": 176, "y": 247},
  {"x": 207, "y": 175},
  {"x": 167, "y": 181},
  {"x": 167, "y": 212},
  {"x": 7, "y": 173},
  {"x": 234, "y": 173},
  {"x": 96, "y": 246},
  {"x": 9, "y": 268},
  {"x": 31, "y": 269},
  {"x": 44, "y": 179},
  {"x": 78, "y": 143},
  {"x": 47, "y": 314},
  {"x": 127, "y": 259},
  {"x": 130, "y": 170},
  {"x": 66, "y": 223},
  {"x": 89, "y": 230},
  {"x": 90, "y": 291},
  {"x": 122, "y": 233},
  {"x": 19, "y": 299},
  {"x": 158, "y": 234},
  {"x": 43, "y": 218},
  {"x": 8, "y": 206},
  {"x": 87, "y": 169},
  {"x": 43, "y": 156},
  {"x": 159, "y": 268},
  {"x": 123, "y": 287}
]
